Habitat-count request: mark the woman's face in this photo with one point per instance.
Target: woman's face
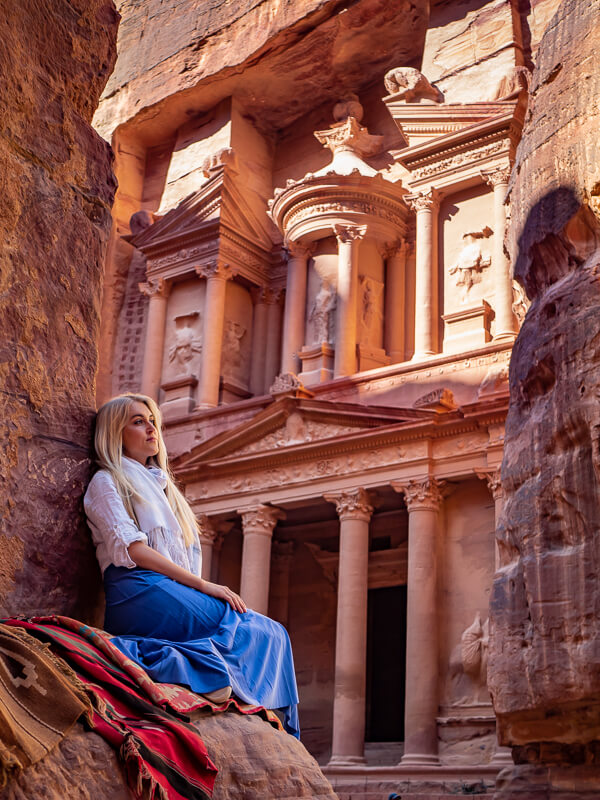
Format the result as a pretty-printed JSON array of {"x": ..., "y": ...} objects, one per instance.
[{"x": 140, "y": 437}]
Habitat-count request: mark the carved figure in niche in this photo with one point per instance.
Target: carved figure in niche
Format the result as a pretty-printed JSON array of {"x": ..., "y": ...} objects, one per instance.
[
  {"x": 468, "y": 665},
  {"x": 294, "y": 431},
  {"x": 321, "y": 313},
  {"x": 187, "y": 343},
  {"x": 471, "y": 261},
  {"x": 520, "y": 303},
  {"x": 411, "y": 85},
  {"x": 233, "y": 334},
  {"x": 371, "y": 313}
]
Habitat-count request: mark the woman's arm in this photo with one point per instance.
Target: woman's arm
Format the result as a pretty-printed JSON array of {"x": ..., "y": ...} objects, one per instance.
[{"x": 148, "y": 558}]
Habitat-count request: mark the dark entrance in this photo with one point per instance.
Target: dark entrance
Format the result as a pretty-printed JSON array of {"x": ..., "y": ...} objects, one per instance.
[{"x": 386, "y": 664}]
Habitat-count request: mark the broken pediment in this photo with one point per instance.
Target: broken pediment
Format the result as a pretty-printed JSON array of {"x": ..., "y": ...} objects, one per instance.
[{"x": 291, "y": 423}]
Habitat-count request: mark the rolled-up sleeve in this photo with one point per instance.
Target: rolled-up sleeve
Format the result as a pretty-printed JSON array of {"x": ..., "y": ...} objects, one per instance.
[{"x": 112, "y": 528}]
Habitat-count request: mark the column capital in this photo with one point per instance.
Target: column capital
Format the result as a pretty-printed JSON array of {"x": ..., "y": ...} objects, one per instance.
[
  {"x": 282, "y": 554},
  {"x": 353, "y": 504},
  {"x": 496, "y": 176},
  {"x": 388, "y": 250},
  {"x": 155, "y": 287},
  {"x": 260, "y": 519},
  {"x": 424, "y": 494},
  {"x": 425, "y": 200},
  {"x": 216, "y": 269},
  {"x": 266, "y": 295},
  {"x": 349, "y": 233},
  {"x": 298, "y": 249},
  {"x": 493, "y": 479}
]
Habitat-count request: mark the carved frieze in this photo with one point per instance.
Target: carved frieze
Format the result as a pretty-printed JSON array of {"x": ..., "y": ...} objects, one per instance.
[{"x": 459, "y": 159}]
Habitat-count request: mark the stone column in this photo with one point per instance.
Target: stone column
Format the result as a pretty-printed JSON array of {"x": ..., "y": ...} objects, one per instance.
[
  {"x": 348, "y": 238},
  {"x": 257, "y": 526},
  {"x": 208, "y": 537},
  {"x": 354, "y": 510},
  {"x": 273, "y": 348},
  {"x": 216, "y": 276},
  {"x": 281, "y": 561},
  {"x": 395, "y": 300},
  {"x": 426, "y": 204},
  {"x": 506, "y": 323},
  {"x": 503, "y": 755},
  {"x": 157, "y": 290},
  {"x": 423, "y": 499},
  {"x": 295, "y": 307},
  {"x": 259, "y": 342}
]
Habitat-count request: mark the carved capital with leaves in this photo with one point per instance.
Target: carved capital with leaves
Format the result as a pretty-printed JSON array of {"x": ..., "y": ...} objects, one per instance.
[
  {"x": 353, "y": 504},
  {"x": 260, "y": 519},
  {"x": 155, "y": 287},
  {"x": 425, "y": 494}
]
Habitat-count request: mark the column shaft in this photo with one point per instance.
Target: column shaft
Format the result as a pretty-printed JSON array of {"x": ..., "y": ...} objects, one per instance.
[
  {"x": 158, "y": 292},
  {"x": 395, "y": 304},
  {"x": 212, "y": 334},
  {"x": 426, "y": 304},
  {"x": 258, "y": 524},
  {"x": 295, "y": 308},
  {"x": 348, "y": 738},
  {"x": 506, "y": 323},
  {"x": 421, "y": 707},
  {"x": 259, "y": 343},
  {"x": 347, "y": 290},
  {"x": 273, "y": 348}
]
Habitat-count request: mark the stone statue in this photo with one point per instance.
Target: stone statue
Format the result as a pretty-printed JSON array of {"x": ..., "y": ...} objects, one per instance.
[
  {"x": 520, "y": 303},
  {"x": 471, "y": 261},
  {"x": 370, "y": 310},
  {"x": 320, "y": 313},
  {"x": 411, "y": 85},
  {"x": 186, "y": 344},
  {"x": 468, "y": 665},
  {"x": 233, "y": 333}
]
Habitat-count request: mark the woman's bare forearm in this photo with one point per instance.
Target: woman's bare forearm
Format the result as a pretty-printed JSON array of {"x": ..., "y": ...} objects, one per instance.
[{"x": 148, "y": 558}]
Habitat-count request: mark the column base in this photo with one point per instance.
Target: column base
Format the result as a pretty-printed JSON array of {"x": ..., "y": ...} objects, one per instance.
[
  {"x": 504, "y": 336},
  {"x": 419, "y": 760},
  {"x": 205, "y": 406},
  {"x": 346, "y": 761},
  {"x": 423, "y": 356}
]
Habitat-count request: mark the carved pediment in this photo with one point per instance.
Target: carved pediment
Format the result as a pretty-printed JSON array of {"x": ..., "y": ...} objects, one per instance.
[{"x": 290, "y": 424}]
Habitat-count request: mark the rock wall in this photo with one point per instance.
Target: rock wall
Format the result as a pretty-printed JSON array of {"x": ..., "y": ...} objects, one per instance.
[
  {"x": 545, "y": 606},
  {"x": 57, "y": 189}
]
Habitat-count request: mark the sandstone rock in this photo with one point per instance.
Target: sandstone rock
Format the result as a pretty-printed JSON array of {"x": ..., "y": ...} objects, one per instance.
[
  {"x": 57, "y": 188},
  {"x": 545, "y": 606},
  {"x": 255, "y": 762}
]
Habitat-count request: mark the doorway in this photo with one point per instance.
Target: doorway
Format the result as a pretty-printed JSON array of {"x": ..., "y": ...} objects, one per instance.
[{"x": 386, "y": 664}]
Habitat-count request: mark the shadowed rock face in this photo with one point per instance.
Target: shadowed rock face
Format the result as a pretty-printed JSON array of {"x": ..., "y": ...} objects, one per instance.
[
  {"x": 57, "y": 189},
  {"x": 545, "y": 607}
]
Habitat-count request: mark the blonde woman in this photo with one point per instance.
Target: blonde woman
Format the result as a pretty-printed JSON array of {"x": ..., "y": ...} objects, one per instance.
[{"x": 180, "y": 628}]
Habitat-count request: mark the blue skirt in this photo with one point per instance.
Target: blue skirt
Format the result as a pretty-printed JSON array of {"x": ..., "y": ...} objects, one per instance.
[{"x": 180, "y": 635}]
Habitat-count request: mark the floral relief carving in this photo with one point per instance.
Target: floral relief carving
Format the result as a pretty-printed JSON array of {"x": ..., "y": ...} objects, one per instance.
[{"x": 459, "y": 159}]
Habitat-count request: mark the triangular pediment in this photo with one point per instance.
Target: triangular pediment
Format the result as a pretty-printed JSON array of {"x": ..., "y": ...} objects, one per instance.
[
  {"x": 190, "y": 215},
  {"x": 297, "y": 424}
]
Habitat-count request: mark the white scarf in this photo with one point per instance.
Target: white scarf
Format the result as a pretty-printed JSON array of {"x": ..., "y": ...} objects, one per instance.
[{"x": 156, "y": 518}]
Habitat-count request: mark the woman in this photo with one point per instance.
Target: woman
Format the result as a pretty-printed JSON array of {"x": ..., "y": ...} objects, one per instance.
[{"x": 180, "y": 628}]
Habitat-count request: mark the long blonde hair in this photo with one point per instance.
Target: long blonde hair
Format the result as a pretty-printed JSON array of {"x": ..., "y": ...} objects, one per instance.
[{"x": 112, "y": 418}]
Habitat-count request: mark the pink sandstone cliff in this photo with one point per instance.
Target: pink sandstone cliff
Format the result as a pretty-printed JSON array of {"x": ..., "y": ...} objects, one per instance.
[
  {"x": 57, "y": 190},
  {"x": 545, "y": 607}
]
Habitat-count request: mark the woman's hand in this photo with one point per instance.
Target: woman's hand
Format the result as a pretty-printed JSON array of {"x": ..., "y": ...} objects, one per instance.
[{"x": 224, "y": 593}]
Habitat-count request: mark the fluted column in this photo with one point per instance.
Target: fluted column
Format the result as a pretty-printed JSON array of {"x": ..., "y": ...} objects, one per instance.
[
  {"x": 258, "y": 524},
  {"x": 354, "y": 511},
  {"x": 506, "y": 323},
  {"x": 348, "y": 238},
  {"x": 295, "y": 307},
  {"x": 259, "y": 342},
  {"x": 423, "y": 499},
  {"x": 426, "y": 204},
  {"x": 216, "y": 276},
  {"x": 157, "y": 290},
  {"x": 273, "y": 345},
  {"x": 502, "y": 755},
  {"x": 395, "y": 301}
]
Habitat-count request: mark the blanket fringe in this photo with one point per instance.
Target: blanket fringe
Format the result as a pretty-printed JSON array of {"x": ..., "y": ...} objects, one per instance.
[{"x": 146, "y": 786}]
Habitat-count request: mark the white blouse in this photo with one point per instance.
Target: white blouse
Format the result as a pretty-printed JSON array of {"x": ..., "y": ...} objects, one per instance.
[{"x": 113, "y": 530}]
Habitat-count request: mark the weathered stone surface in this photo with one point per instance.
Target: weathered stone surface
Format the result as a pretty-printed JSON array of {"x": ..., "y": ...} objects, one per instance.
[
  {"x": 57, "y": 188},
  {"x": 279, "y": 57},
  {"x": 255, "y": 762},
  {"x": 545, "y": 606}
]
